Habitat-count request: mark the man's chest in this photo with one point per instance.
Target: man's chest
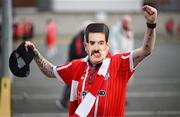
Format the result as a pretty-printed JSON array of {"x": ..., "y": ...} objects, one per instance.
[{"x": 89, "y": 78}]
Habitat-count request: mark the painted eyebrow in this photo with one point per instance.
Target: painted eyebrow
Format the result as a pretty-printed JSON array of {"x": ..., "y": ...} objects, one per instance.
[
  {"x": 92, "y": 41},
  {"x": 101, "y": 41},
  {"x": 97, "y": 41}
]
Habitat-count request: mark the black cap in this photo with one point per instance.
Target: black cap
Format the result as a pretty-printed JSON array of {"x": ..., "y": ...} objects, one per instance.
[{"x": 19, "y": 61}]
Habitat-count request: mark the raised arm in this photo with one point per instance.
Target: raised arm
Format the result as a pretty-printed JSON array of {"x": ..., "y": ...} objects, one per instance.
[
  {"x": 139, "y": 54},
  {"x": 45, "y": 66}
]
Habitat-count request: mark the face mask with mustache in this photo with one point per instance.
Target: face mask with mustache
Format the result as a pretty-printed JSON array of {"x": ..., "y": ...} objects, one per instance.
[
  {"x": 97, "y": 56},
  {"x": 101, "y": 56},
  {"x": 94, "y": 52}
]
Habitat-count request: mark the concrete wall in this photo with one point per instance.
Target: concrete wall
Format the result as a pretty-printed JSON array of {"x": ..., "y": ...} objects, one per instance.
[{"x": 96, "y": 5}]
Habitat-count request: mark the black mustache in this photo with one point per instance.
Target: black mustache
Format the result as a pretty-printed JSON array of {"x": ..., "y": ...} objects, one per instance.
[{"x": 93, "y": 52}]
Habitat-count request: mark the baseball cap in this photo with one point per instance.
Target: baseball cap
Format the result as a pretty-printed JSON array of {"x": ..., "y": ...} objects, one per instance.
[{"x": 19, "y": 61}]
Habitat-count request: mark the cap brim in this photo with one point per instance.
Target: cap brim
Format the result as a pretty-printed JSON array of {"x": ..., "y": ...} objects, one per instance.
[{"x": 13, "y": 65}]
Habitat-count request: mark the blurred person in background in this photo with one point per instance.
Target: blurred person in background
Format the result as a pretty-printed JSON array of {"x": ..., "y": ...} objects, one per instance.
[
  {"x": 169, "y": 26},
  {"x": 16, "y": 34},
  {"x": 178, "y": 29},
  {"x": 51, "y": 38},
  {"x": 99, "y": 81},
  {"x": 121, "y": 37},
  {"x": 27, "y": 30},
  {"x": 76, "y": 51},
  {"x": 101, "y": 17}
]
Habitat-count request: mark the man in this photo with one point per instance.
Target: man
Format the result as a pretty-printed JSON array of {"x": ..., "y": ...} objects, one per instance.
[
  {"x": 169, "y": 26},
  {"x": 51, "y": 38},
  {"x": 121, "y": 38},
  {"x": 98, "y": 82},
  {"x": 27, "y": 30}
]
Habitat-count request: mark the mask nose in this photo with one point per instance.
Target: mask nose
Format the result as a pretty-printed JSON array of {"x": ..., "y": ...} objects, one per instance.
[{"x": 96, "y": 47}]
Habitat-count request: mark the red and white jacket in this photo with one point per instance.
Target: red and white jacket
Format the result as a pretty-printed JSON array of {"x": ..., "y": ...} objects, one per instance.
[{"x": 106, "y": 95}]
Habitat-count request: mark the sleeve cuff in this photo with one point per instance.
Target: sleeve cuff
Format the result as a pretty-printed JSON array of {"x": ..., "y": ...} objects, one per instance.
[
  {"x": 57, "y": 75},
  {"x": 132, "y": 68}
]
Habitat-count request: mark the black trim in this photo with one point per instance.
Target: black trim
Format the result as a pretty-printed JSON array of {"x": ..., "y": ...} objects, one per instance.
[{"x": 151, "y": 25}]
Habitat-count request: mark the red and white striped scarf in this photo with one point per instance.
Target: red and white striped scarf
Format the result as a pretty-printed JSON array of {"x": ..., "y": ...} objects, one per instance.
[{"x": 89, "y": 99}]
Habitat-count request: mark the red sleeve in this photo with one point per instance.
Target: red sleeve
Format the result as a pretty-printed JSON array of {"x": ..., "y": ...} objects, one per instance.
[
  {"x": 64, "y": 72},
  {"x": 126, "y": 67}
]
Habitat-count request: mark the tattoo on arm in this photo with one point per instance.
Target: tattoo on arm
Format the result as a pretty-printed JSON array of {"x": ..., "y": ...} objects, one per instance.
[
  {"x": 45, "y": 66},
  {"x": 145, "y": 50},
  {"x": 150, "y": 33},
  {"x": 149, "y": 42}
]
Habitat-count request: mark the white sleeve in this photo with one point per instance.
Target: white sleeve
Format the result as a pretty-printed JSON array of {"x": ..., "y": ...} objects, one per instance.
[
  {"x": 131, "y": 61},
  {"x": 57, "y": 75}
]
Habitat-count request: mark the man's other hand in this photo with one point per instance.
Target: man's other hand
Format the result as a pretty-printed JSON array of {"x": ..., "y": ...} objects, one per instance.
[{"x": 150, "y": 14}]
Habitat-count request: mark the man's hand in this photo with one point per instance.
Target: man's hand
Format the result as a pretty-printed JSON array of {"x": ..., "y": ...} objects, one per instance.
[
  {"x": 44, "y": 65},
  {"x": 150, "y": 14},
  {"x": 30, "y": 45}
]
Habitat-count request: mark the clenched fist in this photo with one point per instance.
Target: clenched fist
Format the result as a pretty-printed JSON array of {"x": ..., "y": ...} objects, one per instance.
[{"x": 150, "y": 14}]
